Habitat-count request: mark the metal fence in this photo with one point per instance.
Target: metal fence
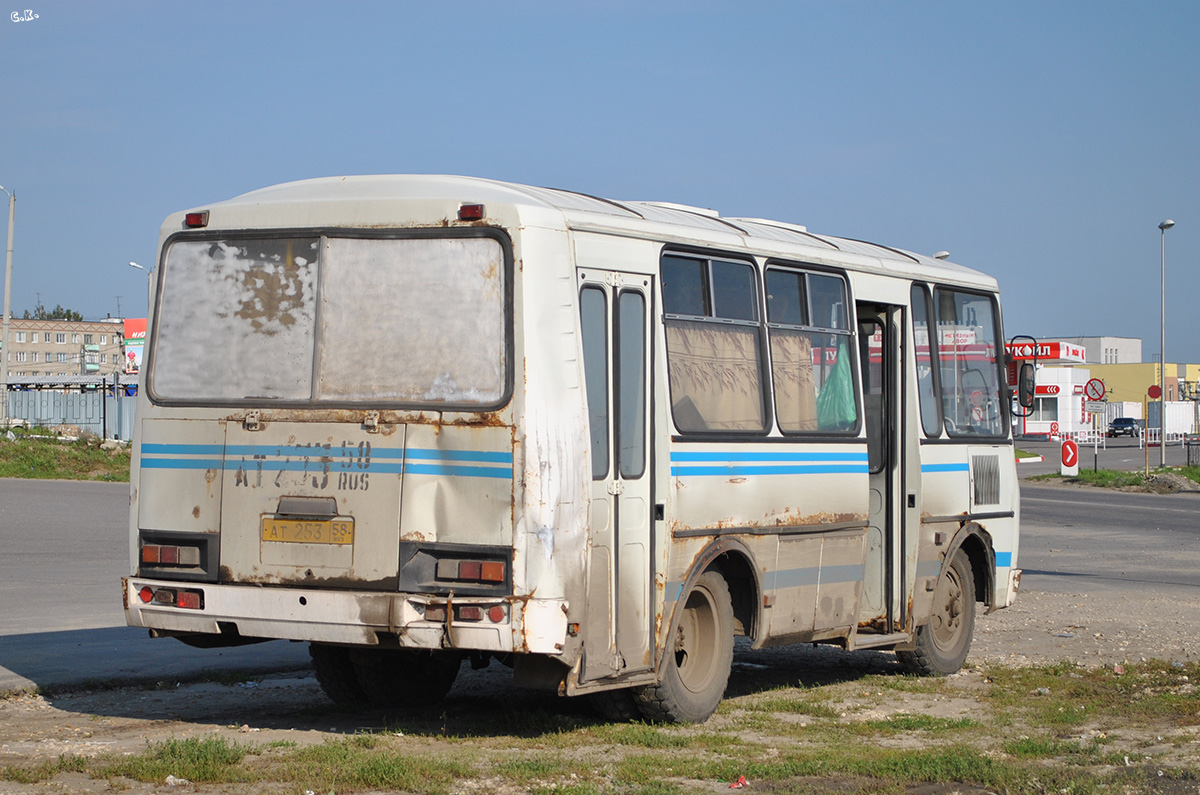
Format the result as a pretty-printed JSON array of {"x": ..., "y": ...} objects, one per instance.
[{"x": 107, "y": 416}]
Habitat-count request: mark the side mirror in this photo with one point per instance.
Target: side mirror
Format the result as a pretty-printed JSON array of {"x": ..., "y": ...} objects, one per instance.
[{"x": 1025, "y": 388}]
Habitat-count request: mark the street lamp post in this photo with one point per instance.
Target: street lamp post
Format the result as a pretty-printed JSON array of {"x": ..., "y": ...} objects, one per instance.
[
  {"x": 4, "y": 347},
  {"x": 149, "y": 283},
  {"x": 1162, "y": 353}
]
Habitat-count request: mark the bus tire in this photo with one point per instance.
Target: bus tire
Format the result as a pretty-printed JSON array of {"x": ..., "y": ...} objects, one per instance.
[
  {"x": 404, "y": 677},
  {"x": 942, "y": 644},
  {"x": 616, "y": 706},
  {"x": 696, "y": 667},
  {"x": 335, "y": 674}
]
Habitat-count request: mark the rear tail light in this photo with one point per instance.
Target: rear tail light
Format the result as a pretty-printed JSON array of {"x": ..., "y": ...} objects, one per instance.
[
  {"x": 497, "y": 614},
  {"x": 470, "y": 212},
  {"x": 189, "y": 599},
  {"x": 196, "y": 220},
  {"x": 170, "y": 555},
  {"x": 471, "y": 570}
]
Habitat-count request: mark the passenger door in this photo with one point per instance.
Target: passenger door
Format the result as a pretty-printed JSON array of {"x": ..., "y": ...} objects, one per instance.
[
  {"x": 614, "y": 315},
  {"x": 880, "y": 339}
]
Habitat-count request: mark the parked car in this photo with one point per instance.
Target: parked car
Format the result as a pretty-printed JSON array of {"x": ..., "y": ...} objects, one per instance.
[{"x": 1123, "y": 426}]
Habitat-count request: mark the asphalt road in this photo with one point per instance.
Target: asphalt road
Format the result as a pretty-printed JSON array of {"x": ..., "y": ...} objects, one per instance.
[
  {"x": 1087, "y": 539},
  {"x": 64, "y": 547},
  {"x": 1121, "y": 453},
  {"x": 63, "y": 551}
]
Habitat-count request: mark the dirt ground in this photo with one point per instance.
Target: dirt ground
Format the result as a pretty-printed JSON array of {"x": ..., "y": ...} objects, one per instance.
[{"x": 289, "y": 707}]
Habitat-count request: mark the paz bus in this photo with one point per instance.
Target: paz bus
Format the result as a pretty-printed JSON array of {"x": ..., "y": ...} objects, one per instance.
[{"x": 419, "y": 420}]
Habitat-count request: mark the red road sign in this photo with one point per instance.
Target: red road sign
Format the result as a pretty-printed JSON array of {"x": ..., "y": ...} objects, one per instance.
[
  {"x": 1094, "y": 389},
  {"x": 1070, "y": 453},
  {"x": 1155, "y": 392},
  {"x": 1054, "y": 428},
  {"x": 1046, "y": 389}
]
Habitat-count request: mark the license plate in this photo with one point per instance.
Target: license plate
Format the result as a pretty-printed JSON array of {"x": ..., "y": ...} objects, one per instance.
[{"x": 308, "y": 531}]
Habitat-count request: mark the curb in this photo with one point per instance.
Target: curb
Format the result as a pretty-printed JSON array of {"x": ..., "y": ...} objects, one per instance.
[{"x": 1035, "y": 459}]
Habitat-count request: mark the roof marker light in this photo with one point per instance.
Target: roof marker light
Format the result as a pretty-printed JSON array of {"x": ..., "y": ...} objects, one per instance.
[
  {"x": 196, "y": 220},
  {"x": 470, "y": 212}
]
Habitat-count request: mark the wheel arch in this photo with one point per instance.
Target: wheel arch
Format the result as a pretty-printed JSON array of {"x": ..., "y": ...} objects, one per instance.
[
  {"x": 976, "y": 544},
  {"x": 735, "y": 563}
]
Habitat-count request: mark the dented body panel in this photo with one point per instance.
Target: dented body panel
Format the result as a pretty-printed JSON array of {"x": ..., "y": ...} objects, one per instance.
[{"x": 513, "y": 434}]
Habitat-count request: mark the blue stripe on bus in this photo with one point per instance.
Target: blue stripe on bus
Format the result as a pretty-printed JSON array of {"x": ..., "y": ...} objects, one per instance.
[
  {"x": 762, "y": 457},
  {"x": 319, "y": 458},
  {"x": 1003, "y": 560},
  {"x": 182, "y": 463},
  {"x": 322, "y": 451},
  {"x": 724, "y": 464},
  {"x": 457, "y": 471},
  {"x": 458, "y": 455},
  {"x": 945, "y": 467},
  {"x": 183, "y": 449},
  {"x": 812, "y": 469}
]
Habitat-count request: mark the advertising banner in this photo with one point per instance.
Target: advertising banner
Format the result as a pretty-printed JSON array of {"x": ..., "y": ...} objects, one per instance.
[{"x": 135, "y": 342}]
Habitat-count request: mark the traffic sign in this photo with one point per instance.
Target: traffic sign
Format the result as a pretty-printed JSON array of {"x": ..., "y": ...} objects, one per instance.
[
  {"x": 1094, "y": 389},
  {"x": 1070, "y": 457},
  {"x": 1054, "y": 429},
  {"x": 1155, "y": 392}
]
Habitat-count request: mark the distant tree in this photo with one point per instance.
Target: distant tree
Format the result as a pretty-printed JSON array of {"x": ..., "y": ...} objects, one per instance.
[{"x": 57, "y": 313}]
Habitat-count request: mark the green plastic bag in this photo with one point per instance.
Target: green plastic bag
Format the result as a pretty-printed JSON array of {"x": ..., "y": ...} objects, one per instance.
[{"x": 836, "y": 409}]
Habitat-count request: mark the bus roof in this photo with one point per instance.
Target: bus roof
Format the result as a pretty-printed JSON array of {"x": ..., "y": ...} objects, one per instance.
[{"x": 370, "y": 196}]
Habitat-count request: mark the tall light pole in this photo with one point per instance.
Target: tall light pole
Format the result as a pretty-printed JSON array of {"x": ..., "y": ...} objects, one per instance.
[
  {"x": 12, "y": 208},
  {"x": 149, "y": 283},
  {"x": 1162, "y": 353}
]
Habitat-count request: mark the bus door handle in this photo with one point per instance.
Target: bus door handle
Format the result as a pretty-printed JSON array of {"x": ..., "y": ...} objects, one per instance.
[{"x": 616, "y": 487}]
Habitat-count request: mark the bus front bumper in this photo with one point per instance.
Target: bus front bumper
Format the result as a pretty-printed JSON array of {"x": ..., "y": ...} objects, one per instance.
[{"x": 419, "y": 621}]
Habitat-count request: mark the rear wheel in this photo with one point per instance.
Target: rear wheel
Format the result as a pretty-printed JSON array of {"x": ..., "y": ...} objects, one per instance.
[
  {"x": 404, "y": 678},
  {"x": 335, "y": 674},
  {"x": 700, "y": 653},
  {"x": 943, "y": 643},
  {"x": 616, "y": 706}
]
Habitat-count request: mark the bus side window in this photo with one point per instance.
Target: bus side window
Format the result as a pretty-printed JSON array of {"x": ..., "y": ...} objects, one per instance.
[
  {"x": 811, "y": 367},
  {"x": 871, "y": 355},
  {"x": 593, "y": 314},
  {"x": 714, "y": 356},
  {"x": 931, "y": 418},
  {"x": 967, "y": 346}
]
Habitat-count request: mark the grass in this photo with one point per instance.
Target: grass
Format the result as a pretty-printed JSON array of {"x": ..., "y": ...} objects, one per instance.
[
  {"x": 36, "y": 453},
  {"x": 210, "y": 759},
  {"x": 1115, "y": 479},
  {"x": 1037, "y": 729}
]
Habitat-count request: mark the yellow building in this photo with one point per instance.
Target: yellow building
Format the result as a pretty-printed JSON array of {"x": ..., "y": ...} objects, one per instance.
[{"x": 1130, "y": 382}]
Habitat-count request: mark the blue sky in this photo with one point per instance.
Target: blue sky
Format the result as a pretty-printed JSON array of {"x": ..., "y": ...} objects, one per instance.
[{"x": 1038, "y": 142}]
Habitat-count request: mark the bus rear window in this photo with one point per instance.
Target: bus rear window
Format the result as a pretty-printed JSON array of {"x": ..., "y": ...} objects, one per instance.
[{"x": 414, "y": 321}]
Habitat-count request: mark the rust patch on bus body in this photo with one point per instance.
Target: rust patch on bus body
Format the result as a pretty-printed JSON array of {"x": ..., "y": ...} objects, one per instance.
[{"x": 778, "y": 520}]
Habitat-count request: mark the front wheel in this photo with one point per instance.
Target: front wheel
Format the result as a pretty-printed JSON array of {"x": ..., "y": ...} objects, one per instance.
[
  {"x": 943, "y": 643},
  {"x": 699, "y": 655}
]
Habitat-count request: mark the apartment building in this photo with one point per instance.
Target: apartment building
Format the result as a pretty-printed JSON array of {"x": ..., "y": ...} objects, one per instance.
[{"x": 65, "y": 347}]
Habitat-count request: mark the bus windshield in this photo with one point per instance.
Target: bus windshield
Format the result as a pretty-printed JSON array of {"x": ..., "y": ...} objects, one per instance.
[{"x": 414, "y": 321}]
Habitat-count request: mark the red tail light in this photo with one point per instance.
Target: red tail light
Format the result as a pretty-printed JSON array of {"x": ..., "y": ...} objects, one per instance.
[
  {"x": 470, "y": 212},
  {"x": 172, "y": 597},
  {"x": 196, "y": 220}
]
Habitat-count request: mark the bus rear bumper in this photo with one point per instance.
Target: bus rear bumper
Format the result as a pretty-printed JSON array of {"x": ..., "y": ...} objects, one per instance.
[{"x": 363, "y": 618}]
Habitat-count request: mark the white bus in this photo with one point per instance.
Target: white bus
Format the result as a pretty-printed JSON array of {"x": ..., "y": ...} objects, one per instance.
[{"x": 415, "y": 420}]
